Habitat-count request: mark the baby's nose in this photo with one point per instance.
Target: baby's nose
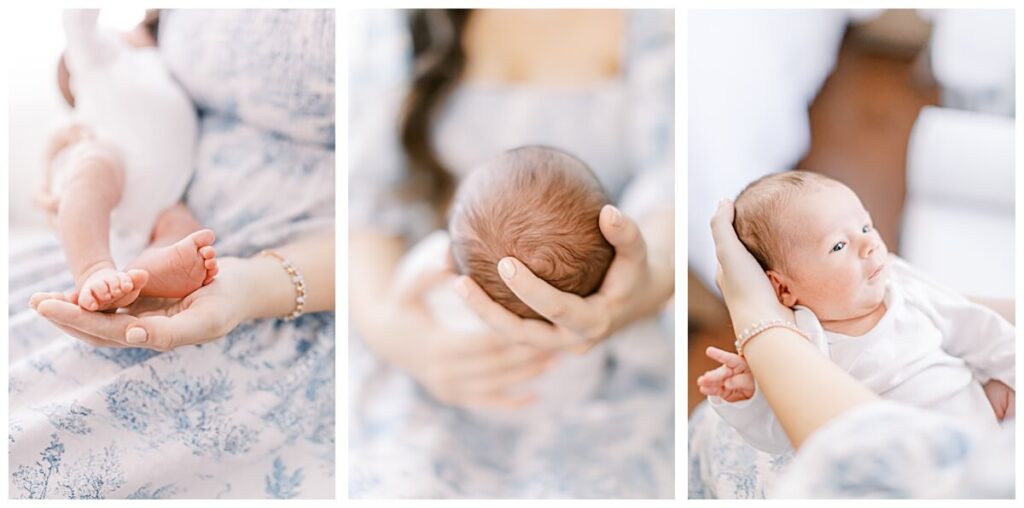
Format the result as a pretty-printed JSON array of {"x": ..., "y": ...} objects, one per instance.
[{"x": 868, "y": 247}]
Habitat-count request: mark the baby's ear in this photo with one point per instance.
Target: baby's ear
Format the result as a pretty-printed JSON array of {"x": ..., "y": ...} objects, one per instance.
[{"x": 782, "y": 291}]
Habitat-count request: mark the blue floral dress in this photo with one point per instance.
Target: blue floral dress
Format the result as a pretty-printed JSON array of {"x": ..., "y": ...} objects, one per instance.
[
  {"x": 619, "y": 444},
  {"x": 250, "y": 415},
  {"x": 881, "y": 450}
]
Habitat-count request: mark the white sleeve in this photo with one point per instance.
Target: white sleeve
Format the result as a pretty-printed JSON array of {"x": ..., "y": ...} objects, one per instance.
[
  {"x": 970, "y": 331},
  {"x": 755, "y": 421}
]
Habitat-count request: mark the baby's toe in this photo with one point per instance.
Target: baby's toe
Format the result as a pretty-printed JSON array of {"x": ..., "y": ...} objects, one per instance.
[
  {"x": 203, "y": 238},
  {"x": 138, "y": 277},
  {"x": 125, "y": 282},
  {"x": 207, "y": 252},
  {"x": 211, "y": 270},
  {"x": 99, "y": 290},
  {"x": 114, "y": 286},
  {"x": 86, "y": 300}
]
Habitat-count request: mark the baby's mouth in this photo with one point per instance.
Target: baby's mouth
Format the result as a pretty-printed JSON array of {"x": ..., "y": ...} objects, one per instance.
[{"x": 876, "y": 272}]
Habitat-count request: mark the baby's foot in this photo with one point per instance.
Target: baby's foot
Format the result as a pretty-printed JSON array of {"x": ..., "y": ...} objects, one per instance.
[
  {"x": 108, "y": 288},
  {"x": 180, "y": 268}
]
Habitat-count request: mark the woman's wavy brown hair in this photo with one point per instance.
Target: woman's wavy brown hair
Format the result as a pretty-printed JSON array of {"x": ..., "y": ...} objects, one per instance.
[{"x": 438, "y": 62}]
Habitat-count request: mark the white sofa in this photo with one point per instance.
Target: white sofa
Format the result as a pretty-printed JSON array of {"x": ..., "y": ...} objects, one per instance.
[{"x": 958, "y": 222}]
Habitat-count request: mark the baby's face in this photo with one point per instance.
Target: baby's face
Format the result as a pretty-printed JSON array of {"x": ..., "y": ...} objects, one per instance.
[{"x": 835, "y": 260}]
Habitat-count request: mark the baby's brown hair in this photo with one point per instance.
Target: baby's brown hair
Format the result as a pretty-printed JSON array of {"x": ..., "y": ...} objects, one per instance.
[
  {"x": 539, "y": 205},
  {"x": 758, "y": 208}
]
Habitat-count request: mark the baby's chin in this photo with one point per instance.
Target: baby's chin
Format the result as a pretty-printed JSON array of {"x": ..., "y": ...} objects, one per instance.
[
  {"x": 855, "y": 310},
  {"x": 852, "y": 310}
]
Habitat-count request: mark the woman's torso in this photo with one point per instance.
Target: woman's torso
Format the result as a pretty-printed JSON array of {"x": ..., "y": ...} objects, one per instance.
[
  {"x": 263, "y": 82},
  {"x": 539, "y": 77}
]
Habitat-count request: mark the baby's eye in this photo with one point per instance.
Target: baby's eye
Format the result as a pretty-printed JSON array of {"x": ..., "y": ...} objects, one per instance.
[
  {"x": 866, "y": 228},
  {"x": 837, "y": 247}
]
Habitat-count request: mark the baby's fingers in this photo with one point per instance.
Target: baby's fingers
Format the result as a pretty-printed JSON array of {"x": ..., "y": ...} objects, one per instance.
[
  {"x": 731, "y": 360},
  {"x": 743, "y": 383},
  {"x": 714, "y": 377},
  {"x": 711, "y": 391}
]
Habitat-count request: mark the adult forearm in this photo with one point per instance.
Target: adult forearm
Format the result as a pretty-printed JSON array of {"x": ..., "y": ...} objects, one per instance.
[
  {"x": 658, "y": 230},
  {"x": 272, "y": 290},
  {"x": 804, "y": 398},
  {"x": 373, "y": 258}
]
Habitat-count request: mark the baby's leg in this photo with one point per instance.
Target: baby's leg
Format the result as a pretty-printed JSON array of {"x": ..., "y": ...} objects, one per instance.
[
  {"x": 172, "y": 225},
  {"x": 92, "y": 189}
]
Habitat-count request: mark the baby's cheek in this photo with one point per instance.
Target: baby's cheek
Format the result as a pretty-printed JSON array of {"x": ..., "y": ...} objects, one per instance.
[{"x": 836, "y": 290}]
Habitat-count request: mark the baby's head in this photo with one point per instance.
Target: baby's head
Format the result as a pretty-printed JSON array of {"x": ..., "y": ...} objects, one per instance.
[
  {"x": 816, "y": 242},
  {"x": 536, "y": 204}
]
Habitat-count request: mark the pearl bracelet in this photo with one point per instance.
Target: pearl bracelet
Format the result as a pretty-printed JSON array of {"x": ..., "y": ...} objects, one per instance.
[
  {"x": 297, "y": 279},
  {"x": 761, "y": 326}
]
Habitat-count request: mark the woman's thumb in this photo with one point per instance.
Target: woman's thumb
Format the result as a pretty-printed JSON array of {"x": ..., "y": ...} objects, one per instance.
[{"x": 623, "y": 233}]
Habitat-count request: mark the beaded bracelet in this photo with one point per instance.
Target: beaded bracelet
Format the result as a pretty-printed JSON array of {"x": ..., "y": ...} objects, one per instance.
[
  {"x": 761, "y": 326},
  {"x": 297, "y": 279}
]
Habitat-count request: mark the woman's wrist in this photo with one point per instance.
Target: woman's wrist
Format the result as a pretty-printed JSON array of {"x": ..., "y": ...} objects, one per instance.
[
  {"x": 744, "y": 316},
  {"x": 653, "y": 290},
  {"x": 264, "y": 287}
]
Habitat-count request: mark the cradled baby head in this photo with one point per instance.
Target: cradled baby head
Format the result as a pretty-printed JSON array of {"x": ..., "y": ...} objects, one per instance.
[
  {"x": 539, "y": 205},
  {"x": 815, "y": 241}
]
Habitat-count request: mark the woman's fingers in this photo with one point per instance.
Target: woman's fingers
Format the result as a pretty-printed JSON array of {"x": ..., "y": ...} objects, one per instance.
[
  {"x": 503, "y": 358},
  {"x": 38, "y": 298},
  {"x": 104, "y": 326},
  {"x": 52, "y": 309},
  {"x": 504, "y": 322},
  {"x": 723, "y": 232},
  {"x": 501, "y": 381},
  {"x": 623, "y": 233},
  {"x": 565, "y": 309},
  {"x": 88, "y": 339}
]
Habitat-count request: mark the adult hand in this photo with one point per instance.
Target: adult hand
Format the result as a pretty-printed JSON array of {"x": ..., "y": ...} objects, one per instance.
[
  {"x": 748, "y": 294},
  {"x": 473, "y": 370},
  {"x": 161, "y": 324},
  {"x": 577, "y": 323}
]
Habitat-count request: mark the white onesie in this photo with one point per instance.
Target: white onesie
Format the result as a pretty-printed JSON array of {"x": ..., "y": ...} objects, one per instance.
[
  {"x": 130, "y": 101},
  {"x": 933, "y": 349}
]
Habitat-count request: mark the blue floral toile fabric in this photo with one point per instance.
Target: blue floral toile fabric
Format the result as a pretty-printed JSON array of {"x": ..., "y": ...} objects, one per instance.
[
  {"x": 881, "y": 450},
  {"x": 250, "y": 415}
]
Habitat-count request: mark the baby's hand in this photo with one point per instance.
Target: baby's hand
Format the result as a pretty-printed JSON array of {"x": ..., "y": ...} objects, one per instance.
[
  {"x": 732, "y": 381},
  {"x": 1001, "y": 397}
]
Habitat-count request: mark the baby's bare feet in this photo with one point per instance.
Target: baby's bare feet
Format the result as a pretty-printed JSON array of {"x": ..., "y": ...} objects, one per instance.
[
  {"x": 180, "y": 268},
  {"x": 107, "y": 288}
]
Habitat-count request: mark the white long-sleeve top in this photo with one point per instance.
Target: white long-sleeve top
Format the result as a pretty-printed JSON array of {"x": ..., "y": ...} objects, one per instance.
[{"x": 933, "y": 348}]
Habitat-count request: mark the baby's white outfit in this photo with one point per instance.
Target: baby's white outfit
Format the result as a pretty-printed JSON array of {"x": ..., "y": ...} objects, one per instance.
[
  {"x": 932, "y": 349},
  {"x": 133, "y": 105},
  {"x": 575, "y": 377}
]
